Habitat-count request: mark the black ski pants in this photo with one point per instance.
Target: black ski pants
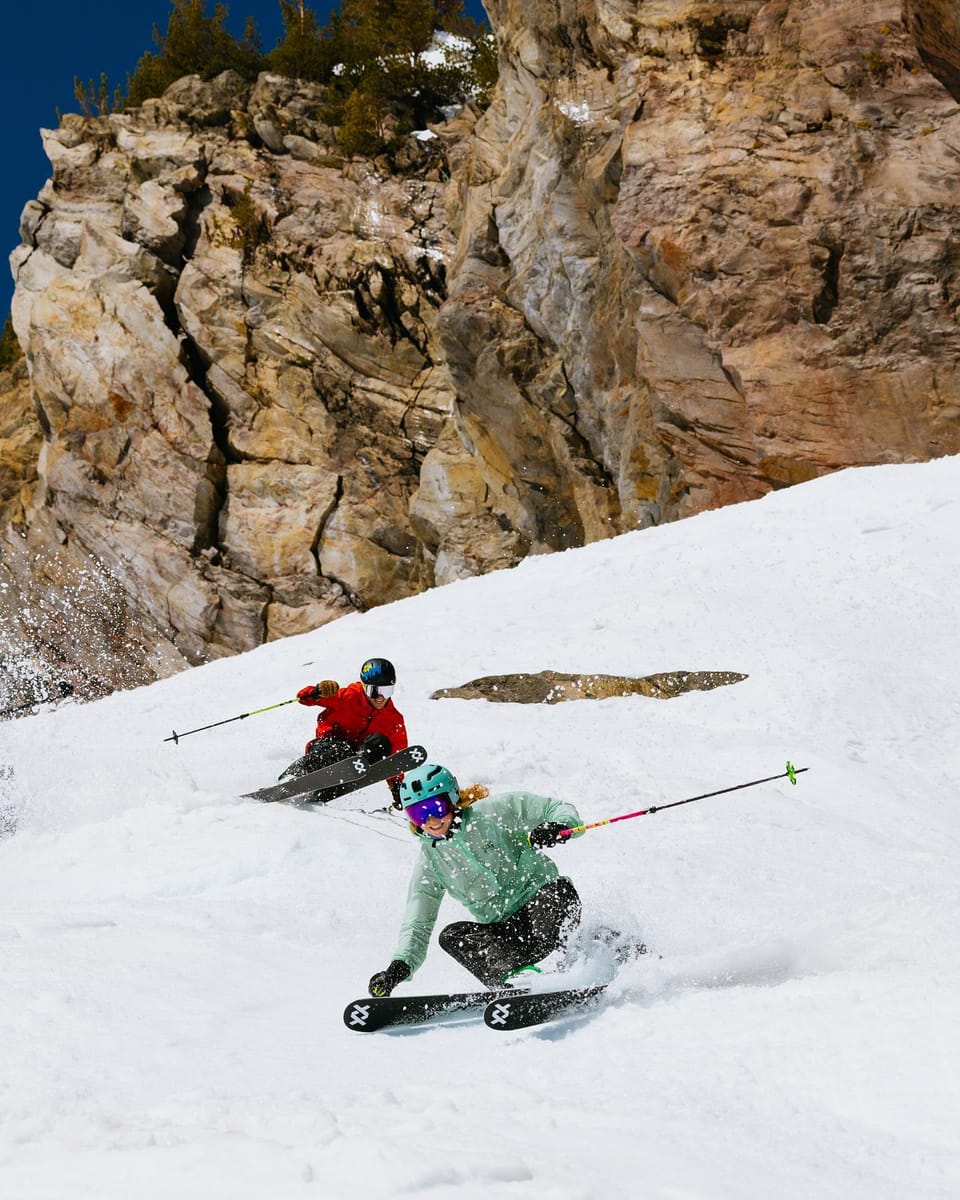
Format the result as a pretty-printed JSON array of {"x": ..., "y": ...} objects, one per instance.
[
  {"x": 323, "y": 751},
  {"x": 531, "y": 933}
]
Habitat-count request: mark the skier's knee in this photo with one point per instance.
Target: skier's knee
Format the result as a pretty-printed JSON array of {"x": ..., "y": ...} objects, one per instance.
[
  {"x": 570, "y": 904},
  {"x": 451, "y": 937}
]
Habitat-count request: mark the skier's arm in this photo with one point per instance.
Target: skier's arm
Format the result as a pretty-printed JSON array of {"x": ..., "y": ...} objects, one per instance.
[
  {"x": 398, "y": 735},
  {"x": 323, "y": 693},
  {"x": 532, "y": 811},
  {"x": 398, "y": 741},
  {"x": 419, "y": 917}
]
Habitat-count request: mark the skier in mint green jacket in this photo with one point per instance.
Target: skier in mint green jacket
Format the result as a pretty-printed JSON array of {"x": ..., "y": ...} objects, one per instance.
[{"x": 487, "y": 857}]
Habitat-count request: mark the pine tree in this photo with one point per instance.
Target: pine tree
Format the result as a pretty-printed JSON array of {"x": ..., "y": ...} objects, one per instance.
[
  {"x": 381, "y": 45},
  {"x": 96, "y": 100},
  {"x": 194, "y": 44},
  {"x": 370, "y": 54},
  {"x": 361, "y": 130},
  {"x": 304, "y": 52},
  {"x": 10, "y": 351}
]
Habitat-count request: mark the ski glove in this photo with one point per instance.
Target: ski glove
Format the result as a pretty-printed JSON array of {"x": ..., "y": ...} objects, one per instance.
[
  {"x": 318, "y": 691},
  {"x": 383, "y": 983},
  {"x": 548, "y": 834}
]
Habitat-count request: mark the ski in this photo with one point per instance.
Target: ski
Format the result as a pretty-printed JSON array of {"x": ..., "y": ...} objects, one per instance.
[
  {"x": 534, "y": 1008},
  {"x": 371, "y": 1013},
  {"x": 394, "y": 764},
  {"x": 348, "y": 773},
  {"x": 347, "y": 770}
]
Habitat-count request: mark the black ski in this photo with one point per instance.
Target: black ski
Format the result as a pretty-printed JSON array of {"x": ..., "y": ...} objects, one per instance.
[
  {"x": 347, "y": 770},
  {"x": 371, "y": 1013},
  {"x": 394, "y": 764},
  {"x": 347, "y": 774},
  {"x": 534, "y": 1008}
]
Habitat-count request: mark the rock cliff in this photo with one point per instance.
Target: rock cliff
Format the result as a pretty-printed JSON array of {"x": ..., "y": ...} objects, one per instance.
[{"x": 692, "y": 252}]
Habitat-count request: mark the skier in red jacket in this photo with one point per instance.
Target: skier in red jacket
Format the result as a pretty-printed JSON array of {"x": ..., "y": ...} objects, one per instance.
[{"x": 359, "y": 718}]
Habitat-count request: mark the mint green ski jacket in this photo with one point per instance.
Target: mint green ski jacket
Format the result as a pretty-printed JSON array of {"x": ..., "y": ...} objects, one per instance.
[{"x": 488, "y": 865}]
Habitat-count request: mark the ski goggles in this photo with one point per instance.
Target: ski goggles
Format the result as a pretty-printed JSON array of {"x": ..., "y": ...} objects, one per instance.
[
  {"x": 420, "y": 811},
  {"x": 374, "y": 690}
]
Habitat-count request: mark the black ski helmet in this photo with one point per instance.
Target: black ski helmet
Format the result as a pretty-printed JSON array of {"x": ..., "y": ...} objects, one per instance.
[{"x": 378, "y": 671}]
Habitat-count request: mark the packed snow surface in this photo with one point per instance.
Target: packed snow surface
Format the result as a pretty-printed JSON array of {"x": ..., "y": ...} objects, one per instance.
[{"x": 175, "y": 960}]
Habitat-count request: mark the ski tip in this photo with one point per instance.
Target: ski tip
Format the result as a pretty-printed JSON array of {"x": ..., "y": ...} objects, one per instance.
[{"x": 357, "y": 1015}]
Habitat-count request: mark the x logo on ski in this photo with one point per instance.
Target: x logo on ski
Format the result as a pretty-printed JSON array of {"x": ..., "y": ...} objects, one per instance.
[
  {"x": 359, "y": 1014},
  {"x": 498, "y": 1013}
]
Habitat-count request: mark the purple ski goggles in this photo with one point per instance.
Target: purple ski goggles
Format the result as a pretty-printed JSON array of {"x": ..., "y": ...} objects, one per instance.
[{"x": 434, "y": 806}]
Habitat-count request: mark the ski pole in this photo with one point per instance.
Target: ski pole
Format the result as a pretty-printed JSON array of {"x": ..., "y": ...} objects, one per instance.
[
  {"x": 790, "y": 773},
  {"x": 175, "y": 737}
]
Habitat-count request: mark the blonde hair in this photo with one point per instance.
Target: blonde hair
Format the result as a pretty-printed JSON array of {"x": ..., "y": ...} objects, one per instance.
[{"x": 473, "y": 793}]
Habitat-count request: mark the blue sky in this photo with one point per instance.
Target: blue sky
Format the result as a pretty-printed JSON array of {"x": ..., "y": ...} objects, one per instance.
[{"x": 48, "y": 46}]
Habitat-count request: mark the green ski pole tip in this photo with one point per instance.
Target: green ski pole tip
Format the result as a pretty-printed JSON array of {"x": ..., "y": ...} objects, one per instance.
[{"x": 790, "y": 773}]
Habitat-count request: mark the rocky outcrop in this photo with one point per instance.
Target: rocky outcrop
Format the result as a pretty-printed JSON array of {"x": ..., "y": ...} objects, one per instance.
[
  {"x": 229, "y": 335},
  {"x": 709, "y": 249},
  {"x": 934, "y": 26},
  {"x": 554, "y": 687},
  {"x": 692, "y": 252},
  {"x": 20, "y": 441}
]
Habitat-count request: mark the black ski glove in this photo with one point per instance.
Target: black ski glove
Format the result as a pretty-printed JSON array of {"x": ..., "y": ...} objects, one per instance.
[
  {"x": 383, "y": 983},
  {"x": 375, "y": 747},
  {"x": 394, "y": 786},
  {"x": 548, "y": 834}
]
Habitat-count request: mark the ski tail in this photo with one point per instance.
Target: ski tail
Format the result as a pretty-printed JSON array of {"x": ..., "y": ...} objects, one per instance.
[
  {"x": 535, "y": 1008},
  {"x": 345, "y": 771}
]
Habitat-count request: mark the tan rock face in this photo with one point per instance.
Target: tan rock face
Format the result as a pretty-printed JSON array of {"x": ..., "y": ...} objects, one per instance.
[
  {"x": 229, "y": 332},
  {"x": 730, "y": 229},
  {"x": 20, "y": 441},
  {"x": 934, "y": 26},
  {"x": 692, "y": 252}
]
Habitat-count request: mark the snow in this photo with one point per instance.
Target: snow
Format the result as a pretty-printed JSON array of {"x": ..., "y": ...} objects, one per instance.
[
  {"x": 578, "y": 113},
  {"x": 175, "y": 960},
  {"x": 447, "y": 48}
]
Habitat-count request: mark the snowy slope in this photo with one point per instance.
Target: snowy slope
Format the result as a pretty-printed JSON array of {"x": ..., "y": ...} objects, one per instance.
[{"x": 174, "y": 961}]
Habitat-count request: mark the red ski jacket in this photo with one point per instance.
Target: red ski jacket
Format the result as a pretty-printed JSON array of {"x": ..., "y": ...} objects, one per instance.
[{"x": 350, "y": 715}]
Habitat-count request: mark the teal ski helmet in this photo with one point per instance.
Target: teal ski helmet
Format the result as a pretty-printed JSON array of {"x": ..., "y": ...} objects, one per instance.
[{"x": 424, "y": 783}]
